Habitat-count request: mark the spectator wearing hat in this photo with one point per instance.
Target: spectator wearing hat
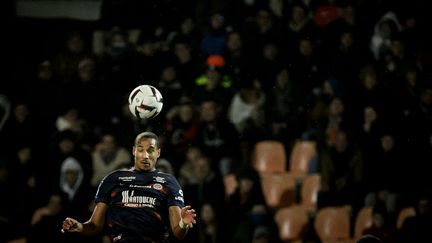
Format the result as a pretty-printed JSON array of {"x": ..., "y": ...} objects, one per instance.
[{"x": 214, "y": 83}]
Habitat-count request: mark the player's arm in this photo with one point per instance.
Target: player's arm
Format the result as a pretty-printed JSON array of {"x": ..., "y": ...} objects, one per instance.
[
  {"x": 92, "y": 226},
  {"x": 181, "y": 220}
]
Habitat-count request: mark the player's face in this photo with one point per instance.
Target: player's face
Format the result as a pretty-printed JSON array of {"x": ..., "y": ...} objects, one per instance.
[{"x": 146, "y": 153}]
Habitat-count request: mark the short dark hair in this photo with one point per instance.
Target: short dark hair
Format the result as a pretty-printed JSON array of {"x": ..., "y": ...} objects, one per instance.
[{"x": 147, "y": 135}]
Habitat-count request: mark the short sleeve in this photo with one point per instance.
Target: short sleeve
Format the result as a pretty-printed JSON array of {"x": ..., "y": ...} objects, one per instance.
[
  {"x": 104, "y": 189},
  {"x": 176, "y": 193}
]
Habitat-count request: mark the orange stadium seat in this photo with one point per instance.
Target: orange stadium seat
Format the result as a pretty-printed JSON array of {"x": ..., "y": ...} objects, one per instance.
[
  {"x": 269, "y": 156},
  {"x": 363, "y": 220},
  {"x": 279, "y": 189},
  {"x": 332, "y": 224},
  {"x": 292, "y": 222},
  {"x": 404, "y": 213},
  {"x": 301, "y": 154},
  {"x": 310, "y": 187}
]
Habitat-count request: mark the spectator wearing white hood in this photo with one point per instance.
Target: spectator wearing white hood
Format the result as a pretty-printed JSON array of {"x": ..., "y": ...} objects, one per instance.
[
  {"x": 384, "y": 30},
  {"x": 79, "y": 194},
  {"x": 71, "y": 177}
]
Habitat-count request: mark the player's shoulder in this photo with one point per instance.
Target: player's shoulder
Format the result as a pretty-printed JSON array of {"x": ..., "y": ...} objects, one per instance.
[
  {"x": 164, "y": 174},
  {"x": 168, "y": 177},
  {"x": 124, "y": 172}
]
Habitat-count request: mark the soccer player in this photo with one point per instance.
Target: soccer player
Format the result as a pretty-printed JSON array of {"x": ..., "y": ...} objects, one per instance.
[{"x": 140, "y": 204}]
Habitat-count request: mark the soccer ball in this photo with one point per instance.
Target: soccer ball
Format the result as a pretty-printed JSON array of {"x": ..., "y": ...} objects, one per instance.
[{"x": 145, "y": 101}]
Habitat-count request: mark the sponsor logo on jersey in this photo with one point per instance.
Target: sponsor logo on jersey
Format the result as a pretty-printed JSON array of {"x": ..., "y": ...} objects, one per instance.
[
  {"x": 180, "y": 198},
  {"x": 130, "y": 200},
  {"x": 159, "y": 179},
  {"x": 126, "y": 178},
  {"x": 139, "y": 186},
  {"x": 157, "y": 186}
]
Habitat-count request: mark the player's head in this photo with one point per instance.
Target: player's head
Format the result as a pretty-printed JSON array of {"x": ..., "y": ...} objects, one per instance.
[
  {"x": 146, "y": 151},
  {"x": 147, "y": 135}
]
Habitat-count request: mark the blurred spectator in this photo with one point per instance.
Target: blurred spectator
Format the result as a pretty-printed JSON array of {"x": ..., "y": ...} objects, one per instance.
[
  {"x": 325, "y": 14},
  {"x": 417, "y": 137},
  {"x": 165, "y": 166},
  {"x": 382, "y": 226},
  {"x": 213, "y": 40},
  {"x": 45, "y": 91},
  {"x": 237, "y": 58},
  {"x": 20, "y": 128},
  {"x": 348, "y": 56},
  {"x": 108, "y": 156},
  {"x": 371, "y": 128},
  {"x": 214, "y": 83},
  {"x": 79, "y": 196},
  {"x": 266, "y": 65},
  {"x": 187, "y": 64},
  {"x": 417, "y": 228},
  {"x": 335, "y": 119},
  {"x": 258, "y": 226},
  {"x": 262, "y": 234},
  {"x": 384, "y": 30},
  {"x": 298, "y": 24},
  {"x": 187, "y": 32},
  {"x": 308, "y": 65},
  {"x": 23, "y": 167},
  {"x": 341, "y": 173},
  {"x": 146, "y": 63},
  {"x": 246, "y": 112},
  {"x": 69, "y": 119},
  {"x": 169, "y": 85},
  {"x": 64, "y": 145},
  {"x": 284, "y": 108},
  {"x": 185, "y": 171},
  {"x": 47, "y": 218},
  {"x": 411, "y": 35},
  {"x": 204, "y": 185},
  {"x": 261, "y": 29},
  {"x": 209, "y": 229},
  {"x": 65, "y": 61},
  {"x": 120, "y": 61},
  {"x": 87, "y": 92},
  {"x": 372, "y": 92},
  {"x": 181, "y": 125},
  {"x": 218, "y": 137},
  {"x": 411, "y": 85},
  {"x": 247, "y": 194},
  {"x": 385, "y": 159}
]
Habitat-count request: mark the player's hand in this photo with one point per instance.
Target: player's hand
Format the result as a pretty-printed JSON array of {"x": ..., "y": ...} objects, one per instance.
[
  {"x": 188, "y": 216},
  {"x": 71, "y": 225}
]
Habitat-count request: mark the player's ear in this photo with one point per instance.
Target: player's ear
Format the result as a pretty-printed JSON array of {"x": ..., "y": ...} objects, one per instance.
[
  {"x": 159, "y": 152},
  {"x": 133, "y": 150}
]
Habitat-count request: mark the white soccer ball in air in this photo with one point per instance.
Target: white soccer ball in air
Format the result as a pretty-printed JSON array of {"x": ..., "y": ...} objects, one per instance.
[{"x": 145, "y": 101}]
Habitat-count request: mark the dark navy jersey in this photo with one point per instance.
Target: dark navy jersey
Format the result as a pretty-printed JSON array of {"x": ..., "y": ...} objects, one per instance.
[{"x": 138, "y": 204}]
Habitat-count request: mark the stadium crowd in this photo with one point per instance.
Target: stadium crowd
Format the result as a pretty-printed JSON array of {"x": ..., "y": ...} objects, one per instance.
[{"x": 352, "y": 76}]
